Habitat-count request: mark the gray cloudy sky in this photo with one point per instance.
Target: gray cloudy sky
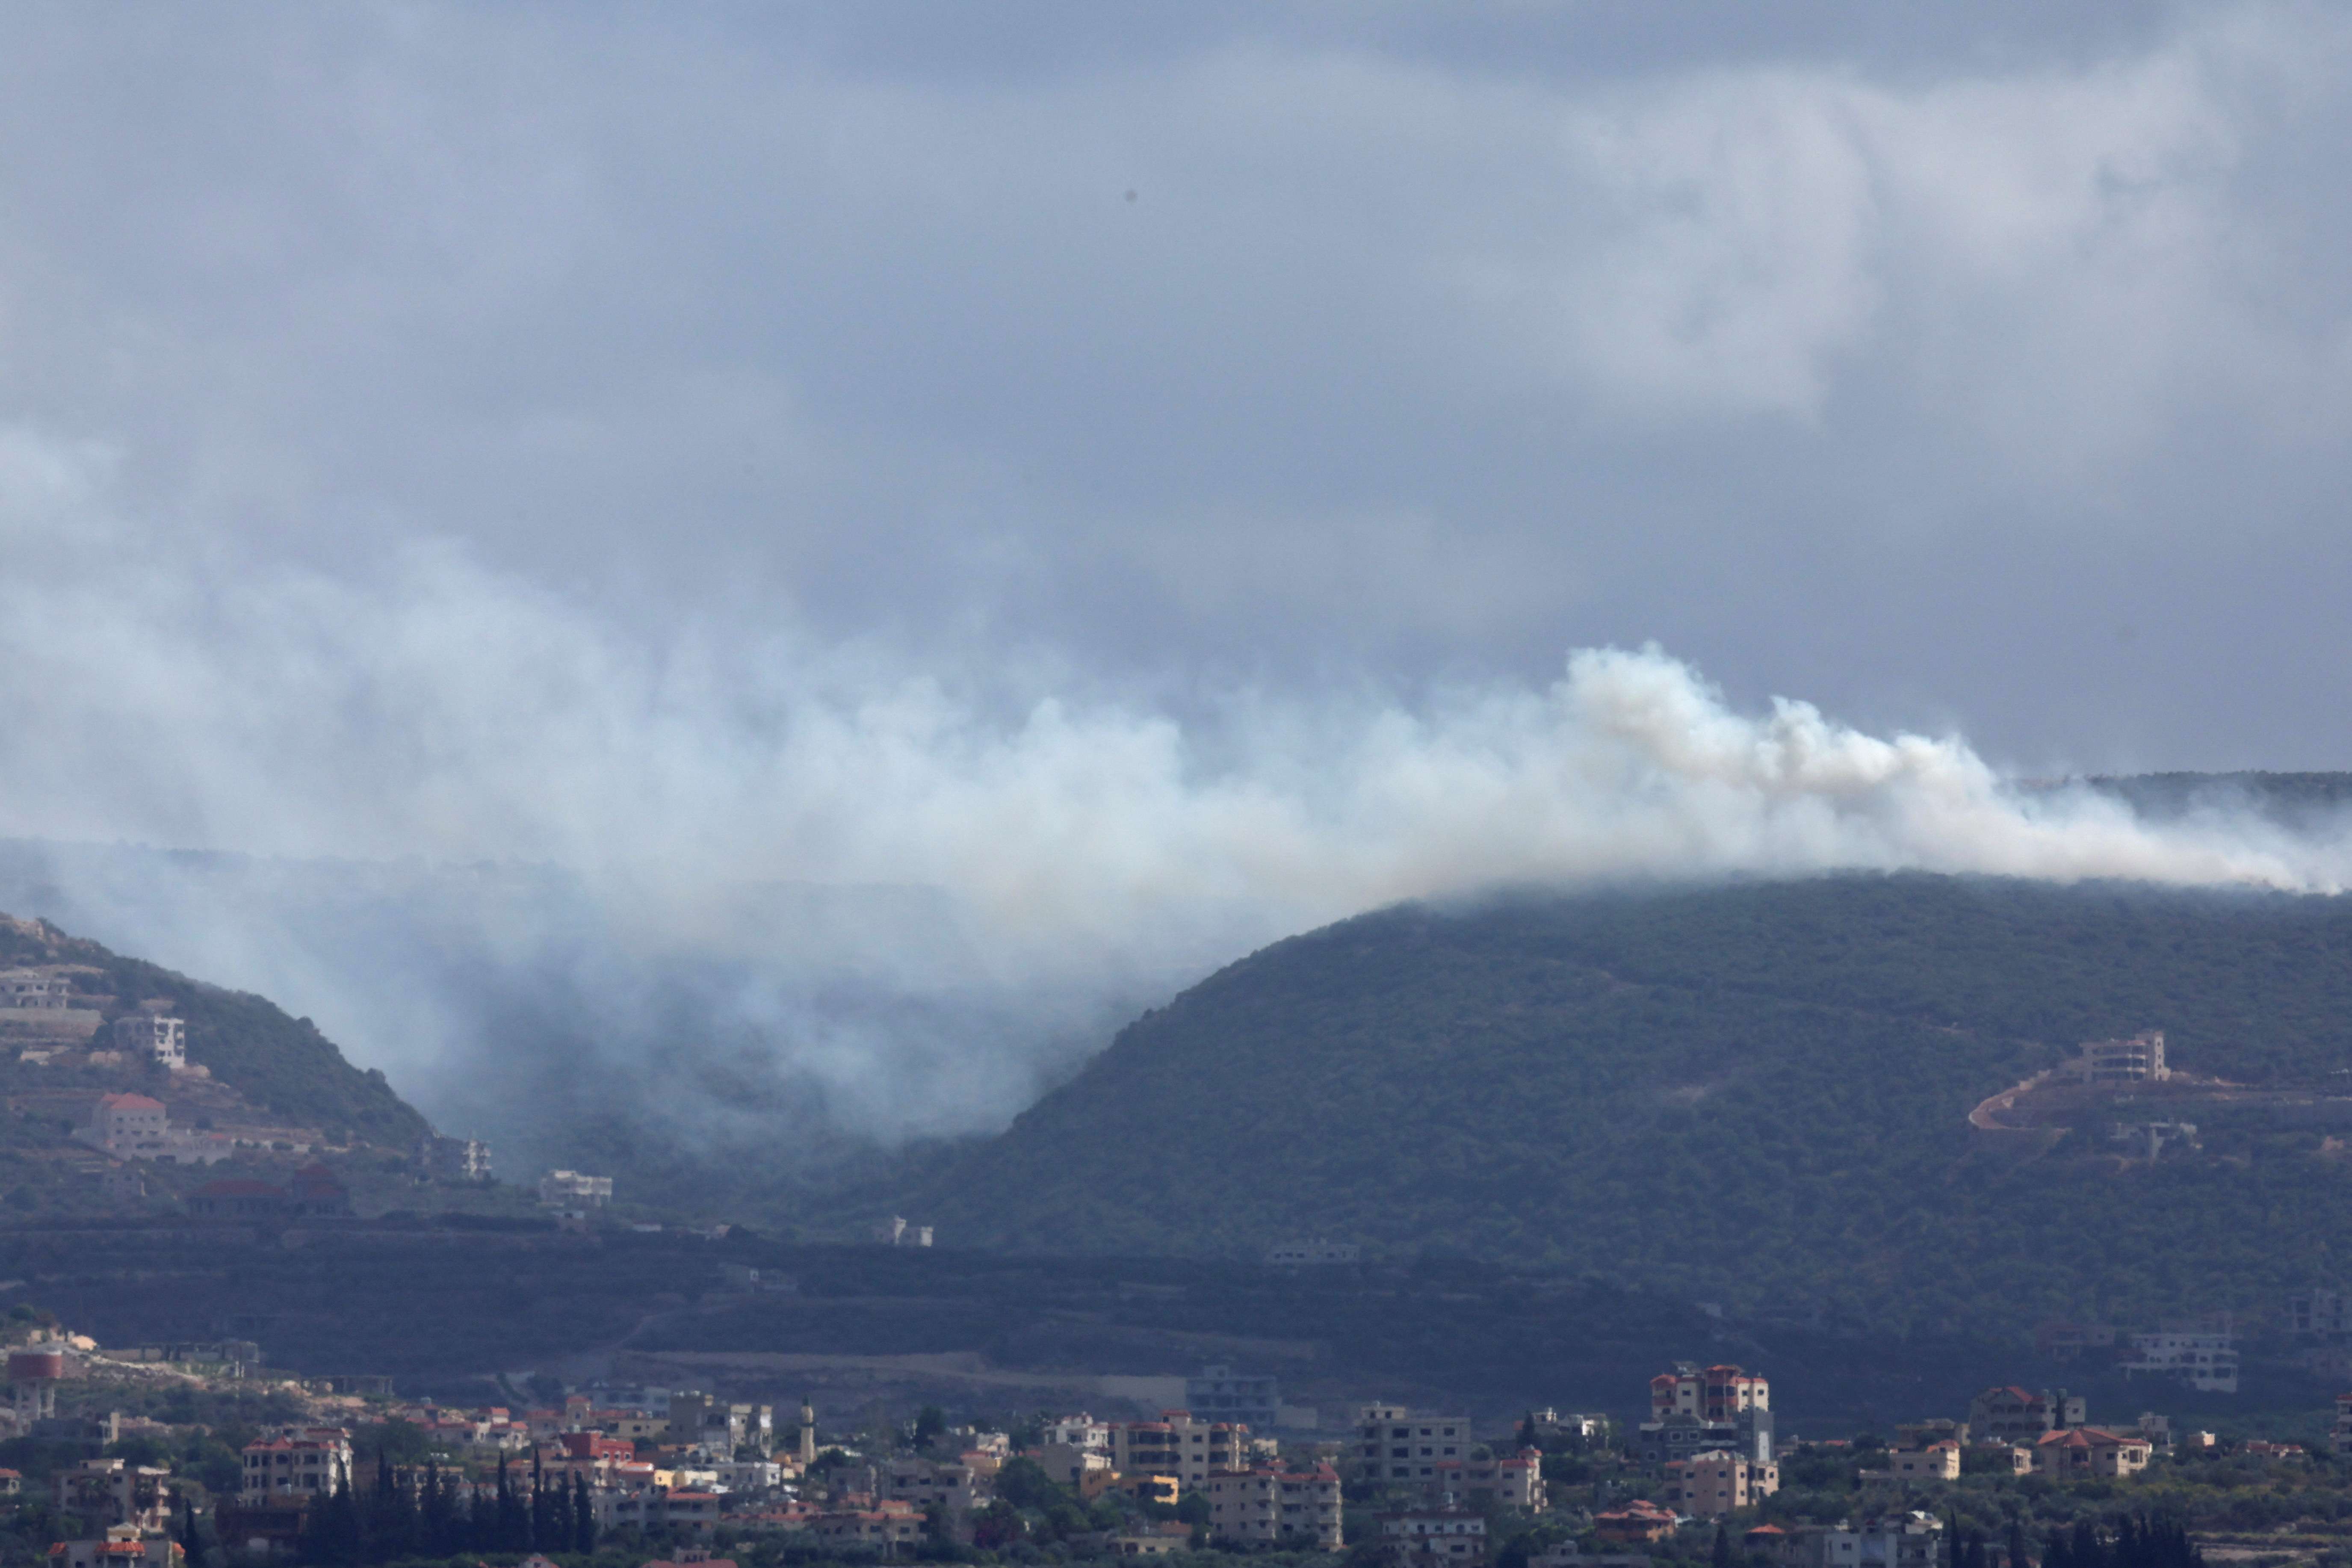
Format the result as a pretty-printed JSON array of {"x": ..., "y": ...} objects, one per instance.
[
  {"x": 1129, "y": 482},
  {"x": 1977, "y": 367}
]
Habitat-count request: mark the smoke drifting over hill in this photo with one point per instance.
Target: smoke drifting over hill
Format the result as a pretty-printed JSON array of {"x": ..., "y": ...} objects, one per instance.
[
  {"x": 768, "y": 572},
  {"x": 547, "y": 873}
]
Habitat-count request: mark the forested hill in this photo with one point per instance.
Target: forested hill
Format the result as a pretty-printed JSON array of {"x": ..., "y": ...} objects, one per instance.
[
  {"x": 279, "y": 1063},
  {"x": 1752, "y": 1093}
]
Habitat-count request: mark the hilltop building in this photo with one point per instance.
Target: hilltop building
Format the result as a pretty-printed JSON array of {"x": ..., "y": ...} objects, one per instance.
[
  {"x": 2206, "y": 1360},
  {"x": 2139, "y": 1059},
  {"x": 36, "y": 989},
  {"x": 571, "y": 1189},
  {"x": 136, "y": 1127},
  {"x": 454, "y": 1159},
  {"x": 154, "y": 1039}
]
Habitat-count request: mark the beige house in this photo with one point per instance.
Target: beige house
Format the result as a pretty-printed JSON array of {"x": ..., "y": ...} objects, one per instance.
[
  {"x": 1712, "y": 1484},
  {"x": 1936, "y": 1462},
  {"x": 2091, "y": 1451}
]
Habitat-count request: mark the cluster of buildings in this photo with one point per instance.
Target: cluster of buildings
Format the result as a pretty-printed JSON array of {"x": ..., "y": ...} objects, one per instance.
[{"x": 2202, "y": 1355}]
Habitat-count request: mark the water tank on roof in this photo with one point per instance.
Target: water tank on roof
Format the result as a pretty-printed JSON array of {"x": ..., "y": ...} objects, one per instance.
[{"x": 35, "y": 1367}]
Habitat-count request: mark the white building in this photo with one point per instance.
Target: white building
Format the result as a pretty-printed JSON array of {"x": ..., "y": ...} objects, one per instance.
[
  {"x": 298, "y": 1459},
  {"x": 571, "y": 1189},
  {"x": 2207, "y": 1362},
  {"x": 150, "y": 1038}
]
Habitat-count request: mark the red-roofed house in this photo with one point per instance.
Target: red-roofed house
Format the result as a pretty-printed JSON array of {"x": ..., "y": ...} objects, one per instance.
[
  {"x": 1640, "y": 1520},
  {"x": 118, "y": 1549},
  {"x": 2091, "y": 1451}
]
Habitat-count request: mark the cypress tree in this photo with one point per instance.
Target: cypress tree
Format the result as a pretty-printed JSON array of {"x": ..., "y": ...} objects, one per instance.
[
  {"x": 1722, "y": 1545},
  {"x": 583, "y": 1515},
  {"x": 191, "y": 1544},
  {"x": 2017, "y": 1558}
]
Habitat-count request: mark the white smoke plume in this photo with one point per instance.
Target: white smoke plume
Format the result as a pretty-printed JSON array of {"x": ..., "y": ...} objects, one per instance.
[{"x": 805, "y": 872}]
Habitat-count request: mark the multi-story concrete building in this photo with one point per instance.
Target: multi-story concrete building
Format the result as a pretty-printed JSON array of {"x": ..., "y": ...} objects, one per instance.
[
  {"x": 39, "y": 989},
  {"x": 1180, "y": 1445},
  {"x": 2014, "y": 1415},
  {"x": 297, "y": 1459},
  {"x": 1220, "y": 1393},
  {"x": 103, "y": 1493},
  {"x": 1712, "y": 1393},
  {"x": 1068, "y": 1463},
  {"x": 1393, "y": 1444},
  {"x": 2139, "y": 1059},
  {"x": 2206, "y": 1360},
  {"x": 130, "y": 1126},
  {"x": 934, "y": 1483},
  {"x": 1713, "y": 1484},
  {"x": 573, "y": 1189},
  {"x": 1694, "y": 1409},
  {"x": 1429, "y": 1536},
  {"x": 1902, "y": 1541},
  {"x": 1511, "y": 1481},
  {"x": 154, "y": 1039},
  {"x": 1274, "y": 1505},
  {"x": 718, "y": 1427}
]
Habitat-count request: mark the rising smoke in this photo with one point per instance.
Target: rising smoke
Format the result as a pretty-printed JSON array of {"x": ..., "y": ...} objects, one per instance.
[{"x": 550, "y": 874}]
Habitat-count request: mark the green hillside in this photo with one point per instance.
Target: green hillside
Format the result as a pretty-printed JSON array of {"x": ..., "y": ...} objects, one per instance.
[
  {"x": 283, "y": 1064},
  {"x": 1755, "y": 1094}
]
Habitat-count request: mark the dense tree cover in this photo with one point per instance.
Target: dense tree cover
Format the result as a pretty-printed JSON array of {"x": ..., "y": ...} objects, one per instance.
[
  {"x": 434, "y": 1514},
  {"x": 283, "y": 1064},
  {"x": 1753, "y": 1093}
]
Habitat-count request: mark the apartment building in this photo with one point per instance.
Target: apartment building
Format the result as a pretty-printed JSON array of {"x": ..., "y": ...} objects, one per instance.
[
  {"x": 103, "y": 1493},
  {"x": 1393, "y": 1444},
  {"x": 1433, "y": 1536},
  {"x": 1512, "y": 1480},
  {"x": 1712, "y": 1393},
  {"x": 2139, "y": 1059},
  {"x": 2207, "y": 1362},
  {"x": 1178, "y": 1444},
  {"x": 934, "y": 1483},
  {"x": 1273, "y": 1505},
  {"x": 297, "y": 1459},
  {"x": 1710, "y": 1485},
  {"x": 1695, "y": 1409}
]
